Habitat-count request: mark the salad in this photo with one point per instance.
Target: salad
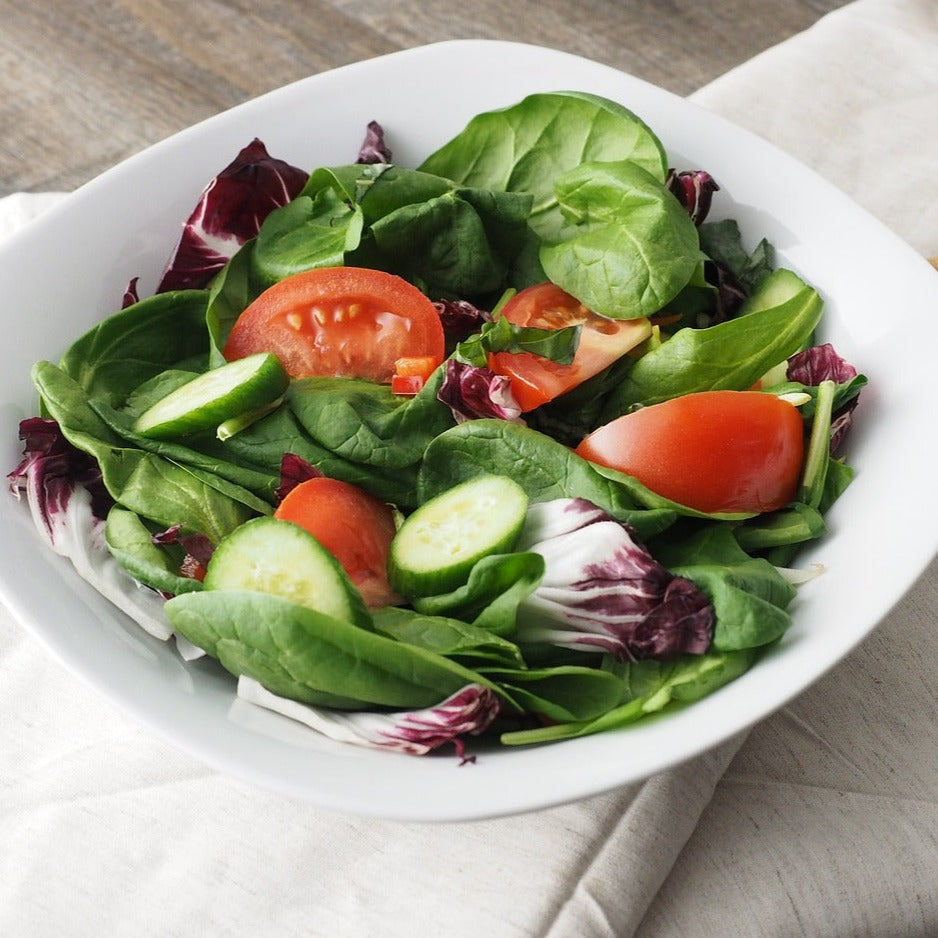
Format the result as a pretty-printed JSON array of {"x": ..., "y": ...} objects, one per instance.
[{"x": 514, "y": 444}]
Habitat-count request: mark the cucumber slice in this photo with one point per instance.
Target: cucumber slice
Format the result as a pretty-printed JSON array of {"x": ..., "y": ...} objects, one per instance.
[
  {"x": 437, "y": 546},
  {"x": 216, "y": 396},
  {"x": 269, "y": 555}
]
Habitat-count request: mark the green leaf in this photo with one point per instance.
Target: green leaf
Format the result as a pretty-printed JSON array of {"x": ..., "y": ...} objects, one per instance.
[
  {"x": 130, "y": 542},
  {"x": 627, "y": 246},
  {"x": 447, "y": 636},
  {"x": 524, "y": 148},
  {"x": 500, "y": 335},
  {"x": 649, "y": 687},
  {"x": 732, "y": 355},
  {"x": 138, "y": 343},
  {"x": 295, "y": 651}
]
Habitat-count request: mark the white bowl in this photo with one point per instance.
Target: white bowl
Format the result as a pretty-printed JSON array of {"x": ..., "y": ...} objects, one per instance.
[{"x": 70, "y": 267}]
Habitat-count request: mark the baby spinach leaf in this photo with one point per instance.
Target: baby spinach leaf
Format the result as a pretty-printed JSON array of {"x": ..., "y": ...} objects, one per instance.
[
  {"x": 146, "y": 483},
  {"x": 564, "y": 693},
  {"x": 138, "y": 343},
  {"x": 749, "y": 595},
  {"x": 524, "y": 148},
  {"x": 303, "y": 234},
  {"x": 722, "y": 242},
  {"x": 627, "y": 246},
  {"x": 649, "y": 687},
  {"x": 296, "y": 650},
  {"x": 730, "y": 355},
  {"x": 447, "y": 636},
  {"x": 792, "y": 525},
  {"x": 490, "y": 597},
  {"x": 364, "y": 422},
  {"x": 500, "y": 335},
  {"x": 130, "y": 542}
]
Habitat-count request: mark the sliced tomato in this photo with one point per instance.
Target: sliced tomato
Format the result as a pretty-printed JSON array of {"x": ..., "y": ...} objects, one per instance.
[
  {"x": 716, "y": 451},
  {"x": 340, "y": 321},
  {"x": 353, "y": 525},
  {"x": 536, "y": 380}
]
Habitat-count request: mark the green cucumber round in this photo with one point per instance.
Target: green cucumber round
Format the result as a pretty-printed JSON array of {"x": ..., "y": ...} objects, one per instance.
[
  {"x": 437, "y": 546},
  {"x": 215, "y": 396},
  {"x": 270, "y": 555}
]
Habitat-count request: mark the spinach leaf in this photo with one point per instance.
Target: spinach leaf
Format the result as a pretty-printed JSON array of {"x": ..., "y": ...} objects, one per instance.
[
  {"x": 792, "y": 525},
  {"x": 500, "y": 335},
  {"x": 146, "y": 483},
  {"x": 130, "y": 542},
  {"x": 564, "y": 693},
  {"x": 364, "y": 422},
  {"x": 303, "y": 234},
  {"x": 749, "y": 595},
  {"x": 138, "y": 343},
  {"x": 627, "y": 246},
  {"x": 722, "y": 242},
  {"x": 730, "y": 355},
  {"x": 524, "y": 148},
  {"x": 451, "y": 240},
  {"x": 443, "y": 635},
  {"x": 489, "y": 599},
  {"x": 298, "y": 652},
  {"x": 649, "y": 687}
]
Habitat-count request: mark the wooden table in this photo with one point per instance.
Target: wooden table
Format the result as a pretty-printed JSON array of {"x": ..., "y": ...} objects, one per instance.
[{"x": 86, "y": 83}]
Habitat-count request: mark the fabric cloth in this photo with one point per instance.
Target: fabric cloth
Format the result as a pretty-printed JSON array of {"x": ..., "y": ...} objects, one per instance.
[{"x": 824, "y": 823}]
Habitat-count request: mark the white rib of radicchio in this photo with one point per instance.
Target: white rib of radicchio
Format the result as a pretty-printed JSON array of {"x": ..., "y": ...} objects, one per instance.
[
  {"x": 603, "y": 591},
  {"x": 468, "y": 712},
  {"x": 69, "y": 504}
]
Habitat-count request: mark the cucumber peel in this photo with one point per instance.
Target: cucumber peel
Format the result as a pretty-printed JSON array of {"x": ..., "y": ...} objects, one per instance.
[{"x": 216, "y": 396}]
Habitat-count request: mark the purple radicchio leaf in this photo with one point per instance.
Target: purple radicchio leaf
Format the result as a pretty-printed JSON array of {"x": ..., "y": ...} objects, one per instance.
[
  {"x": 694, "y": 190},
  {"x": 198, "y": 548},
  {"x": 131, "y": 295},
  {"x": 822, "y": 363},
  {"x": 460, "y": 318},
  {"x": 230, "y": 211},
  {"x": 472, "y": 392},
  {"x": 293, "y": 470},
  {"x": 603, "y": 591},
  {"x": 468, "y": 712},
  {"x": 50, "y": 472},
  {"x": 374, "y": 149},
  {"x": 730, "y": 293}
]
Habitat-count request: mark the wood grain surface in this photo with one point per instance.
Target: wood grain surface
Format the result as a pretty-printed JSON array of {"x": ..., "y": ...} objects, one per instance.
[{"x": 86, "y": 83}]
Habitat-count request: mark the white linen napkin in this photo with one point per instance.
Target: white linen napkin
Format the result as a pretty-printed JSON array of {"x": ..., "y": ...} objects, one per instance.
[{"x": 107, "y": 829}]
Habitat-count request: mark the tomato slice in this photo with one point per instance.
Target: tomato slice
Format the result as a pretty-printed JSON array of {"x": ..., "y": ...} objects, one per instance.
[
  {"x": 353, "y": 525},
  {"x": 716, "y": 451},
  {"x": 536, "y": 380},
  {"x": 340, "y": 321}
]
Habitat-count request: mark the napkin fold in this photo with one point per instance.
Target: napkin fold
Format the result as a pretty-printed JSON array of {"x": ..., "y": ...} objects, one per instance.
[{"x": 107, "y": 829}]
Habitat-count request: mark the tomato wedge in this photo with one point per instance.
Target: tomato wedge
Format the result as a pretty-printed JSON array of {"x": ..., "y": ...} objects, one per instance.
[
  {"x": 536, "y": 380},
  {"x": 340, "y": 321},
  {"x": 353, "y": 525},
  {"x": 716, "y": 451}
]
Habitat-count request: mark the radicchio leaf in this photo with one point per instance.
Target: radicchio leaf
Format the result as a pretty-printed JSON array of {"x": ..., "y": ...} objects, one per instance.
[
  {"x": 472, "y": 392},
  {"x": 374, "y": 149},
  {"x": 460, "y": 318},
  {"x": 822, "y": 363},
  {"x": 293, "y": 470},
  {"x": 603, "y": 591},
  {"x": 468, "y": 712},
  {"x": 230, "y": 211},
  {"x": 69, "y": 504},
  {"x": 198, "y": 548},
  {"x": 694, "y": 190},
  {"x": 49, "y": 473}
]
